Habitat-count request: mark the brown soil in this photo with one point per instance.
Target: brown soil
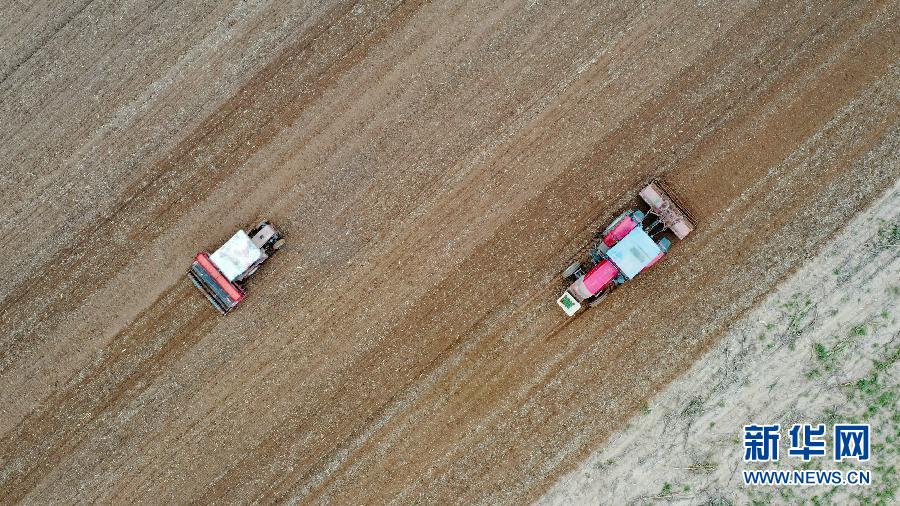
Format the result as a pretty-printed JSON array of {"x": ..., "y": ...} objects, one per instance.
[{"x": 434, "y": 167}]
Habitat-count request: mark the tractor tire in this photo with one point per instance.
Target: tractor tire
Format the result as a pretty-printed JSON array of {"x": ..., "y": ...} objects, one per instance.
[
  {"x": 598, "y": 300},
  {"x": 572, "y": 269}
]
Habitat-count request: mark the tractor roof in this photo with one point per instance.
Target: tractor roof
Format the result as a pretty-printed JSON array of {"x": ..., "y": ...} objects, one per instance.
[
  {"x": 236, "y": 256},
  {"x": 634, "y": 252}
]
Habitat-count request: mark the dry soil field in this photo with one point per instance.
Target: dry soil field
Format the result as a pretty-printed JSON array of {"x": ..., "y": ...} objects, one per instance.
[{"x": 434, "y": 167}]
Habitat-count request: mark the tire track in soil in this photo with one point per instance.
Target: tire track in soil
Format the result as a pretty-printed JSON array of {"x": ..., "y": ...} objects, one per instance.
[
  {"x": 43, "y": 40},
  {"x": 119, "y": 375}
]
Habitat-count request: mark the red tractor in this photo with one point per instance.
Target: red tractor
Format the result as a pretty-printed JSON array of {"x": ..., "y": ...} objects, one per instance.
[
  {"x": 631, "y": 244},
  {"x": 221, "y": 276}
]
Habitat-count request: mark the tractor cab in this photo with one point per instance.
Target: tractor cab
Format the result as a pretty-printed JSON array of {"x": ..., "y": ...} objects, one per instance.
[{"x": 635, "y": 252}]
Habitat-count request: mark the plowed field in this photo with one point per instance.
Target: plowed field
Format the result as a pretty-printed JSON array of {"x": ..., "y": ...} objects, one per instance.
[{"x": 434, "y": 167}]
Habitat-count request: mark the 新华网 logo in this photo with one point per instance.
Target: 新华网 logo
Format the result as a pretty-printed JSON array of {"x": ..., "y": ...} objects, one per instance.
[{"x": 807, "y": 441}]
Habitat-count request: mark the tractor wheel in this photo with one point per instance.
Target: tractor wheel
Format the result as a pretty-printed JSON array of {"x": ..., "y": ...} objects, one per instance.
[
  {"x": 278, "y": 244},
  {"x": 572, "y": 269},
  {"x": 598, "y": 300}
]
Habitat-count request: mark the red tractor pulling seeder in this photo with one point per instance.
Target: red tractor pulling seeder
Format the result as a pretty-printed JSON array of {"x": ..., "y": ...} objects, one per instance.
[
  {"x": 631, "y": 244},
  {"x": 221, "y": 275}
]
